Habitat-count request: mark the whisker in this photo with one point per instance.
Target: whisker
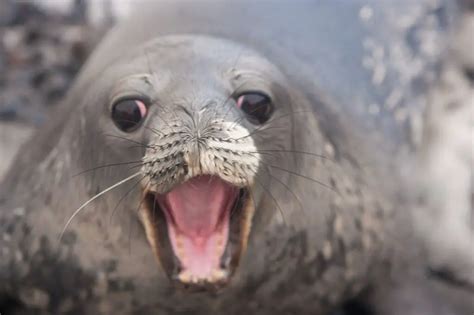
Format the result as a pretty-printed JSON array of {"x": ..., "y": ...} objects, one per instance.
[
  {"x": 238, "y": 88},
  {"x": 123, "y": 197},
  {"x": 302, "y": 176},
  {"x": 259, "y": 129},
  {"x": 130, "y": 140},
  {"x": 135, "y": 166},
  {"x": 277, "y": 118},
  {"x": 242, "y": 117},
  {"x": 271, "y": 155},
  {"x": 298, "y": 152},
  {"x": 155, "y": 131},
  {"x": 287, "y": 188},
  {"x": 92, "y": 199},
  {"x": 164, "y": 109},
  {"x": 274, "y": 199},
  {"x": 107, "y": 165}
]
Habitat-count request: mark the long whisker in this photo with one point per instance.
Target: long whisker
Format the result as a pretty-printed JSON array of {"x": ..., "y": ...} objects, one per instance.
[
  {"x": 297, "y": 174},
  {"x": 165, "y": 121},
  {"x": 242, "y": 117},
  {"x": 275, "y": 119},
  {"x": 303, "y": 176},
  {"x": 288, "y": 189},
  {"x": 272, "y": 154},
  {"x": 298, "y": 152},
  {"x": 260, "y": 129},
  {"x": 274, "y": 199},
  {"x": 135, "y": 166},
  {"x": 155, "y": 131},
  {"x": 124, "y": 196},
  {"x": 130, "y": 140},
  {"x": 107, "y": 165},
  {"x": 92, "y": 199}
]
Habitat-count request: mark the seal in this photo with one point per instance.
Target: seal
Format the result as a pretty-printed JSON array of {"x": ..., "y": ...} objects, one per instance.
[{"x": 197, "y": 169}]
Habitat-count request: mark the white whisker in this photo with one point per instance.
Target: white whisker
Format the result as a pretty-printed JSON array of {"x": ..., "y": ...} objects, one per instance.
[{"x": 92, "y": 199}]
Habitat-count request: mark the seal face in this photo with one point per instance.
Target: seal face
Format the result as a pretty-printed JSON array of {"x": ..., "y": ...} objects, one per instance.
[
  {"x": 200, "y": 174},
  {"x": 201, "y": 149}
]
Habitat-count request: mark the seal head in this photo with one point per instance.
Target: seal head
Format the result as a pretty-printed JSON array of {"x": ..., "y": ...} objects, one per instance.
[{"x": 201, "y": 125}]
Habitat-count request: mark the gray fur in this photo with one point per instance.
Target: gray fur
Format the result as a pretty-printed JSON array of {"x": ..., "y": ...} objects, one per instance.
[{"x": 327, "y": 228}]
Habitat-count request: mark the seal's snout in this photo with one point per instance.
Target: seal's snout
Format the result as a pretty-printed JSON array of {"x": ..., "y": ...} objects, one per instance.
[
  {"x": 198, "y": 208},
  {"x": 224, "y": 149}
]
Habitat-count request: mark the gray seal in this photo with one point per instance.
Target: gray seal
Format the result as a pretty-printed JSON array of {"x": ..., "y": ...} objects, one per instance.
[{"x": 206, "y": 162}]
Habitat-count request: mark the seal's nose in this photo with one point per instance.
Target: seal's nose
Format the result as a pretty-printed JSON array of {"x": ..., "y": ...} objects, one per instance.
[
  {"x": 202, "y": 124},
  {"x": 195, "y": 143},
  {"x": 200, "y": 138}
]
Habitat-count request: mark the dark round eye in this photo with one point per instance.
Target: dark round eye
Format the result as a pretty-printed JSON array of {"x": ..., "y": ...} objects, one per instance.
[
  {"x": 257, "y": 106},
  {"x": 128, "y": 114}
]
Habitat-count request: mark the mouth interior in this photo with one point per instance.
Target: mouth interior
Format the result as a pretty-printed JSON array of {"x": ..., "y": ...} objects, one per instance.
[{"x": 200, "y": 216}]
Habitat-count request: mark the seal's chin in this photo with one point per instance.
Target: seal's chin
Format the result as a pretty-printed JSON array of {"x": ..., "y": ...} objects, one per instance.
[{"x": 199, "y": 230}]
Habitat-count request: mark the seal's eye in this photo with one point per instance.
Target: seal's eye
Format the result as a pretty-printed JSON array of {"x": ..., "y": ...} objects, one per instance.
[
  {"x": 257, "y": 106},
  {"x": 128, "y": 114}
]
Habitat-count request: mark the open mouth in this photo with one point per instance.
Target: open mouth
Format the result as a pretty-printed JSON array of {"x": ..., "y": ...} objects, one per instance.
[{"x": 199, "y": 230}]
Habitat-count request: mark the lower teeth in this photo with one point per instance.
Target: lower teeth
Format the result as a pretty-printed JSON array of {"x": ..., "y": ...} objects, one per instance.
[{"x": 215, "y": 276}]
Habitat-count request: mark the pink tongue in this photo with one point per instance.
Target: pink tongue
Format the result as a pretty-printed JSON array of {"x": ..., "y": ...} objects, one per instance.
[
  {"x": 198, "y": 205},
  {"x": 197, "y": 214}
]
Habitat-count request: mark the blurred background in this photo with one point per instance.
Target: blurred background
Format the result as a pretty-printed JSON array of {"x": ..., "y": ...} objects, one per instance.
[{"x": 43, "y": 43}]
